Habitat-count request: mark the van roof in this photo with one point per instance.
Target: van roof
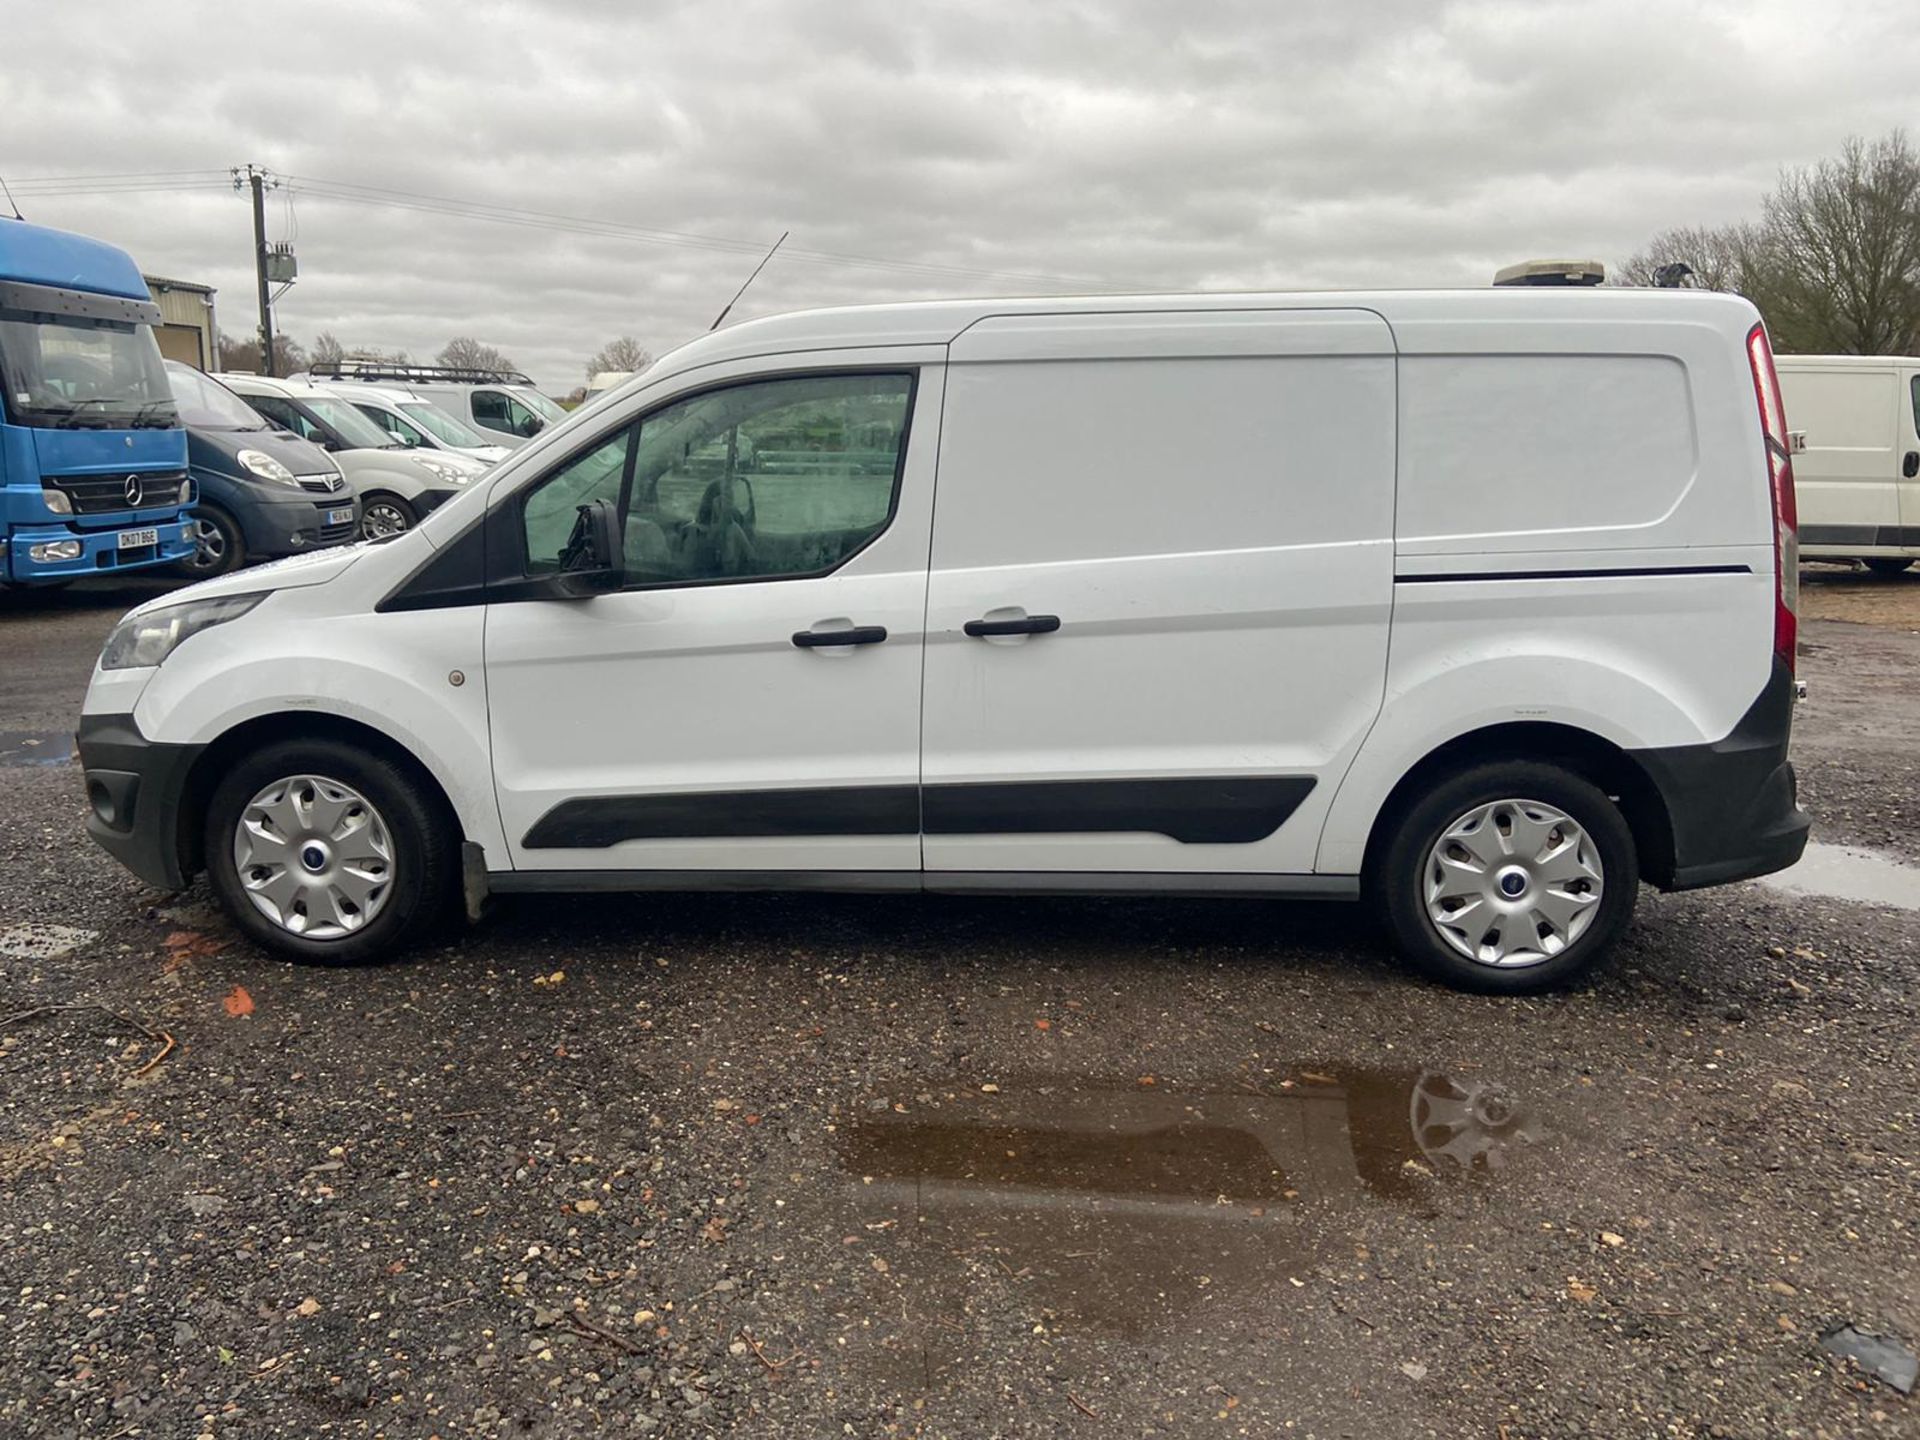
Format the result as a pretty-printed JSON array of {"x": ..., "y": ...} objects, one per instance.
[
  {"x": 35, "y": 255},
  {"x": 938, "y": 322}
]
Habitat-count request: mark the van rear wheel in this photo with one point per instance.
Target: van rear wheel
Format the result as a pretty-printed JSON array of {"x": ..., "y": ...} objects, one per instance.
[
  {"x": 327, "y": 853},
  {"x": 1509, "y": 878},
  {"x": 1887, "y": 566}
]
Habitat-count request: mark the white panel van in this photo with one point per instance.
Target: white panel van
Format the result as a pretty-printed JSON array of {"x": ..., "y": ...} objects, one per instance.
[
  {"x": 1859, "y": 473},
  {"x": 1476, "y": 607}
]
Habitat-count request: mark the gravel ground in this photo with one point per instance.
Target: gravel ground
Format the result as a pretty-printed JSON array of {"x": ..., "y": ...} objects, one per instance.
[{"x": 886, "y": 1166}]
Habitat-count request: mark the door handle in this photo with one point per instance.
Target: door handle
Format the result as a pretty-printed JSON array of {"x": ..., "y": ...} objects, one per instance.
[
  {"x": 1024, "y": 625},
  {"x": 858, "y": 635},
  {"x": 1910, "y": 467}
]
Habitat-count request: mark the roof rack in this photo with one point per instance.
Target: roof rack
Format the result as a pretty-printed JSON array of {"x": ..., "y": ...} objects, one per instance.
[{"x": 402, "y": 371}]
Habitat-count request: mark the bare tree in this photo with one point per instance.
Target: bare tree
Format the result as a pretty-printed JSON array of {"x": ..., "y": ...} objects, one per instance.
[
  {"x": 622, "y": 354},
  {"x": 1842, "y": 255},
  {"x": 471, "y": 354},
  {"x": 1833, "y": 263},
  {"x": 327, "y": 350},
  {"x": 289, "y": 355},
  {"x": 1719, "y": 257}
]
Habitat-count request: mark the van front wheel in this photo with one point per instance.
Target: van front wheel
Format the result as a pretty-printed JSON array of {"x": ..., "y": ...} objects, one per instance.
[
  {"x": 1509, "y": 878},
  {"x": 327, "y": 853}
]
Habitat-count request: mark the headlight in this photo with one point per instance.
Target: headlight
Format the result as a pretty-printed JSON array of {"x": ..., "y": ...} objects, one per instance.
[
  {"x": 448, "y": 471},
  {"x": 141, "y": 640},
  {"x": 186, "y": 491},
  {"x": 258, "y": 462},
  {"x": 57, "y": 501}
]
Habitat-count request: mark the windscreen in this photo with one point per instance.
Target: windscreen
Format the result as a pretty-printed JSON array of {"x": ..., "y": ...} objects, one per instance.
[
  {"x": 541, "y": 405},
  {"x": 207, "y": 404},
  {"x": 442, "y": 426},
  {"x": 59, "y": 373},
  {"x": 357, "y": 430}
]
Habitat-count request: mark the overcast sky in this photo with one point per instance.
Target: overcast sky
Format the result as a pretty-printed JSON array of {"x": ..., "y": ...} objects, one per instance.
[{"x": 1060, "y": 144}]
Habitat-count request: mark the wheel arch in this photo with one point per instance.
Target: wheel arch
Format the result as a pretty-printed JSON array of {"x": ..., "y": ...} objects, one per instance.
[
  {"x": 222, "y": 752},
  {"x": 1592, "y": 757}
]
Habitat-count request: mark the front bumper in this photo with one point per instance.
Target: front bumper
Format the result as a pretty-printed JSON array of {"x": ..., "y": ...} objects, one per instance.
[
  {"x": 100, "y": 552},
  {"x": 135, "y": 788},
  {"x": 1732, "y": 805},
  {"x": 294, "y": 526}
]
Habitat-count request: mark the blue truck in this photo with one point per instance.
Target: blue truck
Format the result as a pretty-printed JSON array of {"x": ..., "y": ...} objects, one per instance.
[{"x": 93, "y": 462}]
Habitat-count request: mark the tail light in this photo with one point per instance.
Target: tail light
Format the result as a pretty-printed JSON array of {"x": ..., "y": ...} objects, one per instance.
[{"x": 1786, "y": 515}]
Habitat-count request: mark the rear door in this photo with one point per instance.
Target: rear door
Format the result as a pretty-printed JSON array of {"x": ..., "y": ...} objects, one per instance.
[
  {"x": 1909, "y": 536},
  {"x": 1161, "y": 583},
  {"x": 1847, "y": 481}
]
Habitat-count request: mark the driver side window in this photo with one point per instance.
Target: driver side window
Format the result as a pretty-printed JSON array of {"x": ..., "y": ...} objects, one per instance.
[{"x": 767, "y": 480}]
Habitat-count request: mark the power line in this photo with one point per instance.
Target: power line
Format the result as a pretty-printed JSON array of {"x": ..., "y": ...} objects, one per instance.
[{"x": 175, "y": 181}]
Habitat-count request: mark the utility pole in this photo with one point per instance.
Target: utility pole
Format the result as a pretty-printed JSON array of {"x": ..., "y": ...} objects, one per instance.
[{"x": 257, "y": 178}]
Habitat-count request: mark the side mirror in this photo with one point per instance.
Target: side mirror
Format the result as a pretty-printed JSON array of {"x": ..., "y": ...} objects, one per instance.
[
  {"x": 532, "y": 425},
  {"x": 593, "y": 561}
]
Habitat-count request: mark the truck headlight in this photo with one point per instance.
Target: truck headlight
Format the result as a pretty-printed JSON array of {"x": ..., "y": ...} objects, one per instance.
[
  {"x": 58, "y": 501},
  {"x": 448, "y": 471},
  {"x": 56, "y": 550},
  {"x": 142, "y": 640},
  {"x": 263, "y": 465}
]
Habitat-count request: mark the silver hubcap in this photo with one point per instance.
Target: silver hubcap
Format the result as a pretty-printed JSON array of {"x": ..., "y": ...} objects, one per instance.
[
  {"x": 209, "y": 545},
  {"x": 381, "y": 520},
  {"x": 314, "y": 857},
  {"x": 1513, "y": 883}
]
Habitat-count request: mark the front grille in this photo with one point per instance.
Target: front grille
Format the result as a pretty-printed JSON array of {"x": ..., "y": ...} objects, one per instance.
[
  {"x": 328, "y": 534},
  {"x": 320, "y": 484},
  {"x": 103, "y": 494}
]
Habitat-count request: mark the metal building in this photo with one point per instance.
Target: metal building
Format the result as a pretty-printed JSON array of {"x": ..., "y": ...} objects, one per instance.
[{"x": 185, "y": 331}]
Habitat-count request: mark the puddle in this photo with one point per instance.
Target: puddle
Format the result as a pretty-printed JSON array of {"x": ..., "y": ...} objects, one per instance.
[
  {"x": 1846, "y": 872},
  {"x": 1117, "y": 1209},
  {"x": 35, "y": 747}
]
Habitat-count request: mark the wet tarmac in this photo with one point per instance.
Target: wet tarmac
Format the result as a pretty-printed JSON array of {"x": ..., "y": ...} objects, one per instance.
[{"x": 1847, "y": 872}]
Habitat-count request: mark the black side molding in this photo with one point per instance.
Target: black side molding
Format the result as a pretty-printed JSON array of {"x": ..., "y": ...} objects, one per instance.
[
  {"x": 594, "y": 822},
  {"x": 1441, "y": 577},
  {"x": 1876, "y": 537},
  {"x": 1208, "y": 811}
]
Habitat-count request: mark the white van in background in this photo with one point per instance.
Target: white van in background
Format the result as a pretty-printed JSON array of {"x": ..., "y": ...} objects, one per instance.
[
  {"x": 502, "y": 405},
  {"x": 1471, "y": 603},
  {"x": 1859, "y": 472},
  {"x": 418, "y": 424}
]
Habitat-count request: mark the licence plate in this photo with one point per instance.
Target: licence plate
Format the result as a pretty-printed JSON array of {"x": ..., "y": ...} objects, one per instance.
[
  {"x": 340, "y": 517},
  {"x": 135, "y": 539}
]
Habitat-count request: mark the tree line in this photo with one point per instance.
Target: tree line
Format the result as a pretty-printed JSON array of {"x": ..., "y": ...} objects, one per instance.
[
  {"x": 1832, "y": 261},
  {"x": 623, "y": 353}
]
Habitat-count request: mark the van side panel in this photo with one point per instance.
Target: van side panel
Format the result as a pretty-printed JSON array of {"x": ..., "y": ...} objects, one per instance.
[
  {"x": 1587, "y": 449},
  {"x": 1584, "y": 536},
  {"x": 1205, "y": 502}
]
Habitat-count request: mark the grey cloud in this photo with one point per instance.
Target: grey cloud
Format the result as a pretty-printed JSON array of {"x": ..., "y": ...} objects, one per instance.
[{"x": 1214, "y": 143}]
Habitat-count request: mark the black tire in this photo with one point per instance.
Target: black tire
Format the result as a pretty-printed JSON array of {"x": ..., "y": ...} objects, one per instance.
[
  {"x": 219, "y": 546},
  {"x": 424, "y": 849},
  {"x": 396, "y": 515},
  {"x": 1887, "y": 566},
  {"x": 1398, "y": 881}
]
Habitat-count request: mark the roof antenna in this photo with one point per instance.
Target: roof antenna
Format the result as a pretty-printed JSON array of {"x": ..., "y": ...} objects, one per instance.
[
  {"x": 16, "y": 209},
  {"x": 750, "y": 279}
]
